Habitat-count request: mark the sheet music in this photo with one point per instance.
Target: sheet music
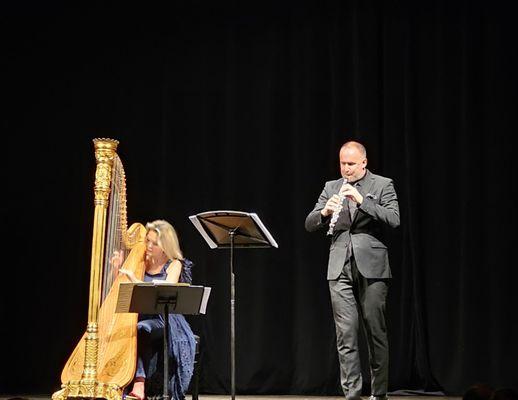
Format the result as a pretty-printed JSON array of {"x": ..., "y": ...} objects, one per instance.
[
  {"x": 161, "y": 282},
  {"x": 124, "y": 299},
  {"x": 205, "y": 299},
  {"x": 270, "y": 238},
  {"x": 194, "y": 219},
  {"x": 212, "y": 244},
  {"x": 198, "y": 294}
]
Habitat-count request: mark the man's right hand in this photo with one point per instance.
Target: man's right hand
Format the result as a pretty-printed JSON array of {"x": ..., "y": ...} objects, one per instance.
[{"x": 331, "y": 206}]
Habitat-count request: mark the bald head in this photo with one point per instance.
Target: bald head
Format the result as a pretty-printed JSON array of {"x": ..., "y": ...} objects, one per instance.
[
  {"x": 356, "y": 145},
  {"x": 353, "y": 161}
]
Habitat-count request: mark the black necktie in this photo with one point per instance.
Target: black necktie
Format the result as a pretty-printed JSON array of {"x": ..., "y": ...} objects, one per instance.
[{"x": 352, "y": 204}]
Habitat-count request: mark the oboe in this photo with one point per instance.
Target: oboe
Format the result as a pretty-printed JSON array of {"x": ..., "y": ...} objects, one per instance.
[{"x": 336, "y": 213}]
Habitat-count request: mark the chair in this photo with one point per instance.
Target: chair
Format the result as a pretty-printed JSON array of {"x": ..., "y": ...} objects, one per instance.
[{"x": 154, "y": 385}]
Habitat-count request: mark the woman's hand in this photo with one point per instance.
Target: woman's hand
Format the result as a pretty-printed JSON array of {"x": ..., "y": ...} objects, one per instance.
[
  {"x": 129, "y": 274},
  {"x": 117, "y": 259}
]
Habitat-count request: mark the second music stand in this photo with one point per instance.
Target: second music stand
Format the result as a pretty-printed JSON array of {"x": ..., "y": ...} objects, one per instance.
[{"x": 229, "y": 230}]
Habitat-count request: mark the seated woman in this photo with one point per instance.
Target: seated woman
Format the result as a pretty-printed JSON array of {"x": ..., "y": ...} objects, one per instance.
[{"x": 163, "y": 261}]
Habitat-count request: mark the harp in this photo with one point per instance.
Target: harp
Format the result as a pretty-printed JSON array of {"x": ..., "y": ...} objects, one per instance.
[{"x": 103, "y": 362}]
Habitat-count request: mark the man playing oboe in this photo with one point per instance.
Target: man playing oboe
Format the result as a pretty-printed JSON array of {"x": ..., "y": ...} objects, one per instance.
[{"x": 358, "y": 268}]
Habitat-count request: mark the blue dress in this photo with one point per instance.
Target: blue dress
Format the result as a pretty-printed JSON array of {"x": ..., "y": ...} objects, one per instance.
[{"x": 181, "y": 345}]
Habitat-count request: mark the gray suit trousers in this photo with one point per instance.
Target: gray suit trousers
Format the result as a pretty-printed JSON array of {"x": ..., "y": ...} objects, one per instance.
[{"x": 355, "y": 298}]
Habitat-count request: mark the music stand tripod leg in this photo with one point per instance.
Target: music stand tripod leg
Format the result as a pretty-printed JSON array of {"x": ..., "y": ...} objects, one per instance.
[
  {"x": 232, "y": 318},
  {"x": 166, "y": 351}
]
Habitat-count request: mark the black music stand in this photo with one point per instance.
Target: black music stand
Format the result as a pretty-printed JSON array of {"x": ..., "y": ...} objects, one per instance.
[
  {"x": 165, "y": 299},
  {"x": 229, "y": 230}
]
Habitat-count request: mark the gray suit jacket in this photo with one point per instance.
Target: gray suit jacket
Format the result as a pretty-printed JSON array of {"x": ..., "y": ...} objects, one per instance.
[{"x": 363, "y": 234}]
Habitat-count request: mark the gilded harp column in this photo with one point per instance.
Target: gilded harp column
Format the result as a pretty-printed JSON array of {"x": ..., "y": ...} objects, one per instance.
[
  {"x": 88, "y": 386},
  {"x": 104, "y": 154}
]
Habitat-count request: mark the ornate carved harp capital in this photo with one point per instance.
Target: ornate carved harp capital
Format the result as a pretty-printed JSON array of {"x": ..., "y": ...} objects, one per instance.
[{"x": 105, "y": 154}]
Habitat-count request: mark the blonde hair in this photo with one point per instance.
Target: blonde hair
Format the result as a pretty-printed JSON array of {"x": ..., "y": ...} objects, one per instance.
[{"x": 167, "y": 238}]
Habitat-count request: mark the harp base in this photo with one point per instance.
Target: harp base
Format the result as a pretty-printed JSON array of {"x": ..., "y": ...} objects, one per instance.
[{"x": 90, "y": 390}]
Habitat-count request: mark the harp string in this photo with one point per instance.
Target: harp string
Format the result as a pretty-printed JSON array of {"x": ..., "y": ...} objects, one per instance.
[{"x": 115, "y": 227}]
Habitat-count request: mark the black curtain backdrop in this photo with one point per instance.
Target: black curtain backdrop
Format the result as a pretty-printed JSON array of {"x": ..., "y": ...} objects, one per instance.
[{"x": 243, "y": 106}]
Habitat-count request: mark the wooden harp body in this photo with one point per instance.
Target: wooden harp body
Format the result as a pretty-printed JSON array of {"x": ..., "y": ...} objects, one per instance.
[{"x": 104, "y": 361}]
